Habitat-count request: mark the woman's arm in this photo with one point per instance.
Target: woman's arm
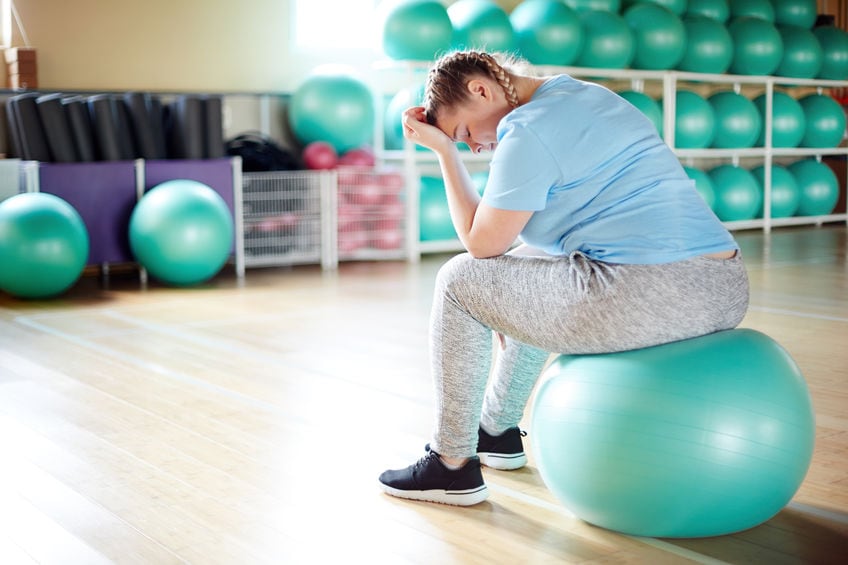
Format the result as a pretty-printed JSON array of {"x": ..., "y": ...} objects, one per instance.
[{"x": 484, "y": 231}]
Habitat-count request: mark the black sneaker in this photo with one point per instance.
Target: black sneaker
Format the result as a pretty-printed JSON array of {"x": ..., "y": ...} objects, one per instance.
[
  {"x": 504, "y": 452},
  {"x": 429, "y": 479}
]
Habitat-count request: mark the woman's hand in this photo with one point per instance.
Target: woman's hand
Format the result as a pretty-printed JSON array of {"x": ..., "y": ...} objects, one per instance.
[{"x": 417, "y": 130}]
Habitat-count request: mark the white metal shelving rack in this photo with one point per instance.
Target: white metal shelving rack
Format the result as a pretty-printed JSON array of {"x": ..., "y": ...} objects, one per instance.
[{"x": 405, "y": 74}]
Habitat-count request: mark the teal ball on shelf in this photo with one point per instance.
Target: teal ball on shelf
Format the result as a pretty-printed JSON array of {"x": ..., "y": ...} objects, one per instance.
[
  {"x": 612, "y": 6},
  {"x": 717, "y": 10},
  {"x": 608, "y": 42},
  {"x": 44, "y": 245},
  {"x": 788, "y": 120},
  {"x": 417, "y": 30},
  {"x": 703, "y": 184},
  {"x": 547, "y": 32},
  {"x": 818, "y": 186},
  {"x": 659, "y": 34},
  {"x": 481, "y": 24},
  {"x": 737, "y": 194},
  {"x": 785, "y": 194},
  {"x": 694, "y": 123},
  {"x": 434, "y": 221},
  {"x": 760, "y": 9},
  {"x": 758, "y": 47},
  {"x": 709, "y": 47},
  {"x": 701, "y": 437},
  {"x": 647, "y": 105},
  {"x": 834, "y": 44},
  {"x": 800, "y": 13},
  {"x": 824, "y": 119},
  {"x": 802, "y": 53},
  {"x": 738, "y": 123}
]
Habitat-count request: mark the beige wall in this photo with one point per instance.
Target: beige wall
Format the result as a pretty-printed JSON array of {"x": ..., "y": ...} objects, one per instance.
[{"x": 163, "y": 45}]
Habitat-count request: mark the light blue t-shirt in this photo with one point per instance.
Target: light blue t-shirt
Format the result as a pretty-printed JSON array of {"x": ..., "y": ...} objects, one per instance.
[{"x": 599, "y": 180}]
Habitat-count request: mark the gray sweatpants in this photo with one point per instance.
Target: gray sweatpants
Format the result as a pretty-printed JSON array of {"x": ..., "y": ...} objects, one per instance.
[{"x": 546, "y": 305}]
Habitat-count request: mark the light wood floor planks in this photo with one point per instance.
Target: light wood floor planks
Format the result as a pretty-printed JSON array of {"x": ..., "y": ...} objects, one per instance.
[{"x": 247, "y": 423}]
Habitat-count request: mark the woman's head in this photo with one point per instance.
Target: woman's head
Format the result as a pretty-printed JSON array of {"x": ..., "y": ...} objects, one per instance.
[{"x": 455, "y": 83}]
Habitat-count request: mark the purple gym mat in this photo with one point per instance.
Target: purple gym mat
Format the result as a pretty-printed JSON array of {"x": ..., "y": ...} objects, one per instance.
[{"x": 104, "y": 194}]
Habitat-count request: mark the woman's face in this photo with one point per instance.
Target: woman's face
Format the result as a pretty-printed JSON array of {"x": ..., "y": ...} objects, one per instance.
[{"x": 475, "y": 121}]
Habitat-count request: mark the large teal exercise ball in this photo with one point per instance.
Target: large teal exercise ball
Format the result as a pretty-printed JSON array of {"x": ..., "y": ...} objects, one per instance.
[
  {"x": 785, "y": 193},
  {"x": 802, "y": 53},
  {"x": 43, "y": 245},
  {"x": 703, "y": 184},
  {"x": 181, "y": 231},
  {"x": 547, "y": 32},
  {"x": 659, "y": 34},
  {"x": 647, "y": 105},
  {"x": 709, "y": 47},
  {"x": 700, "y": 437},
  {"x": 737, "y": 194},
  {"x": 788, "y": 121},
  {"x": 418, "y": 30},
  {"x": 694, "y": 124},
  {"x": 434, "y": 222},
  {"x": 607, "y": 40},
  {"x": 738, "y": 123},
  {"x": 801, "y": 13},
  {"x": 834, "y": 44},
  {"x": 757, "y": 46},
  {"x": 333, "y": 106},
  {"x": 481, "y": 24},
  {"x": 818, "y": 186},
  {"x": 717, "y": 10},
  {"x": 825, "y": 121},
  {"x": 393, "y": 115}
]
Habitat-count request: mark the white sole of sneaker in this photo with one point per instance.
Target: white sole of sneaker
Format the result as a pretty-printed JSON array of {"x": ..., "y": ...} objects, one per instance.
[
  {"x": 503, "y": 462},
  {"x": 468, "y": 497}
]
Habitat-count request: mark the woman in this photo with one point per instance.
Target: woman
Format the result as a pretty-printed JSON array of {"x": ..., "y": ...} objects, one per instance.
[{"x": 620, "y": 252}]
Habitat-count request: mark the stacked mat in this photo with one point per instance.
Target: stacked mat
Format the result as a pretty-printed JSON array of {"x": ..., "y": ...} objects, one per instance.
[{"x": 65, "y": 128}]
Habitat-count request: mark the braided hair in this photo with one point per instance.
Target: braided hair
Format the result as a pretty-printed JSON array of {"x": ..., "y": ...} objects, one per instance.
[{"x": 447, "y": 80}]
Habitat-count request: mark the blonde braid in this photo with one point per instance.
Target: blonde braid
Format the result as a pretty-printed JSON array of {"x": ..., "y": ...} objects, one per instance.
[{"x": 501, "y": 76}]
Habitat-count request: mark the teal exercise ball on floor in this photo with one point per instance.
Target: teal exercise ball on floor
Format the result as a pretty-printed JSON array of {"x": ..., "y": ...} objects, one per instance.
[
  {"x": 737, "y": 121},
  {"x": 547, "y": 32},
  {"x": 785, "y": 194},
  {"x": 694, "y": 124},
  {"x": 801, "y": 13},
  {"x": 758, "y": 47},
  {"x": 481, "y": 24},
  {"x": 696, "y": 438},
  {"x": 717, "y": 10},
  {"x": 43, "y": 245},
  {"x": 818, "y": 186},
  {"x": 825, "y": 121},
  {"x": 834, "y": 44},
  {"x": 703, "y": 184},
  {"x": 417, "y": 30},
  {"x": 659, "y": 34},
  {"x": 737, "y": 194},
  {"x": 709, "y": 47},
  {"x": 802, "y": 53},
  {"x": 181, "y": 231},
  {"x": 333, "y": 106},
  {"x": 607, "y": 41},
  {"x": 647, "y": 105},
  {"x": 788, "y": 120},
  {"x": 434, "y": 216}
]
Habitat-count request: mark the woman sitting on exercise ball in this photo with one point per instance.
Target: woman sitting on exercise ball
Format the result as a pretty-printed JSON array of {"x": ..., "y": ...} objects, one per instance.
[{"x": 619, "y": 252}]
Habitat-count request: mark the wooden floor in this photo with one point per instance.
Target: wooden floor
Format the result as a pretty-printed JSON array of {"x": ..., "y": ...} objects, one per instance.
[{"x": 247, "y": 423}]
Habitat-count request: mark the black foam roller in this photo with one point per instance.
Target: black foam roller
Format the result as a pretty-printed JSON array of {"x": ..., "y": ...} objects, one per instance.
[
  {"x": 57, "y": 128},
  {"x": 187, "y": 123},
  {"x": 214, "y": 127},
  {"x": 126, "y": 140},
  {"x": 157, "y": 124},
  {"x": 139, "y": 108},
  {"x": 31, "y": 137},
  {"x": 81, "y": 130},
  {"x": 14, "y": 134},
  {"x": 104, "y": 119}
]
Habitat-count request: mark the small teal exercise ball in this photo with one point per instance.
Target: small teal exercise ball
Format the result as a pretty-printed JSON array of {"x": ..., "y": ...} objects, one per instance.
[
  {"x": 547, "y": 32},
  {"x": 788, "y": 120},
  {"x": 703, "y": 184},
  {"x": 825, "y": 121},
  {"x": 802, "y": 53},
  {"x": 818, "y": 185},
  {"x": 717, "y": 10},
  {"x": 701, "y": 437},
  {"x": 43, "y": 245},
  {"x": 333, "y": 106},
  {"x": 738, "y": 123},
  {"x": 660, "y": 37},
  {"x": 181, "y": 231},
  {"x": 607, "y": 41},
  {"x": 647, "y": 105},
  {"x": 417, "y": 30},
  {"x": 434, "y": 221},
  {"x": 801, "y": 13},
  {"x": 737, "y": 194},
  {"x": 760, "y": 9},
  {"x": 481, "y": 24},
  {"x": 709, "y": 47},
  {"x": 834, "y": 44},
  {"x": 694, "y": 124},
  {"x": 757, "y": 46},
  {"x": 785, "y": 194}
]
